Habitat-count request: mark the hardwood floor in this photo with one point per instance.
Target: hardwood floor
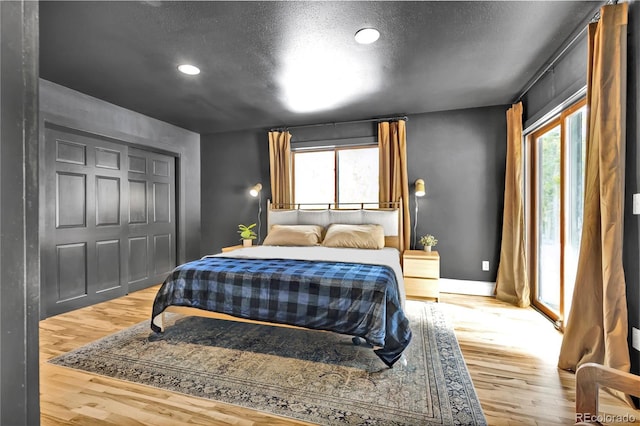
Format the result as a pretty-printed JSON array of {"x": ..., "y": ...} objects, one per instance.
[{"x": 511, "y": 354}]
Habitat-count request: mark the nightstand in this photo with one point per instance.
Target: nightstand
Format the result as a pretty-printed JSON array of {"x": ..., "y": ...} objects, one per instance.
[
  {"x": 232, "y": 248},
  {"x": 421, "y": 271}
]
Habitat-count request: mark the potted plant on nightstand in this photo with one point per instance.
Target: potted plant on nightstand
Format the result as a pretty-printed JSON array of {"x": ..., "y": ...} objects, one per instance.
[
  {"x": 428, "y": 241},
  {"x": 247, "y": 235}
]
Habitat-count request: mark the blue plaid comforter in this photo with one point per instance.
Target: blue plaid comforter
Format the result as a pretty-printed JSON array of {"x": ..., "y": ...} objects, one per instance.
[{"x": 348, "y": 298}]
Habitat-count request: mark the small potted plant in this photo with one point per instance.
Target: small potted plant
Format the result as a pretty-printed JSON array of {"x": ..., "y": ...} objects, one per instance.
[
  {"x": 247, "y": 235},
  {"x": 428, "y": 241}
]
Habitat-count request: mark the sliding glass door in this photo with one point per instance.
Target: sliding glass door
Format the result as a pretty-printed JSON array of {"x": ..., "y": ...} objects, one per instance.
[
  {"x": 549, "y": 231},
  {"x": 557, "y": 180}
]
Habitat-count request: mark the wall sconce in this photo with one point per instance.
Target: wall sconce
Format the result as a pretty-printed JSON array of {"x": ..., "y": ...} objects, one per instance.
[
  {"x": 419, "y": 192},
  {"x": 420, "y": 188},
  {"x": 256, "y": 191}
]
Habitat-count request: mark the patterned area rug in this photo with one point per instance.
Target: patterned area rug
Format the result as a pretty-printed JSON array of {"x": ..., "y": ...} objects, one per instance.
[{"x": 315, "y": 376}]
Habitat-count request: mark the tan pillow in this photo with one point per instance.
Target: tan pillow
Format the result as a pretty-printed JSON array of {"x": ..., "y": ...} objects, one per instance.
[
  {"x": 294, "y": 235},
  {"x": 354, "y": 236}
]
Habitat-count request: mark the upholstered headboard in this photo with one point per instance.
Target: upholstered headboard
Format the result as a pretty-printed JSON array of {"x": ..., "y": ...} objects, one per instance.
[{"x": 390, "y": 218}]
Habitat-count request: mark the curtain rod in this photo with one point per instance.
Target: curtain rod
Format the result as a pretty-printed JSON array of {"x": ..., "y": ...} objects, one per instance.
[
  {"x": 335, "y": 123},
  {"x": 556, "y": 57}
]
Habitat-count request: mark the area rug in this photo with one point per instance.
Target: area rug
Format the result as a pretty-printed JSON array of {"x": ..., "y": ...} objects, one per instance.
[{"x": 315, "y": 376}]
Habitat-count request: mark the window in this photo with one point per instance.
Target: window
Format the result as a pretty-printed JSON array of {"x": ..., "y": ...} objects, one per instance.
[
  {"x": 339, "y": 175},
  {"x": 557, "y": 193}
]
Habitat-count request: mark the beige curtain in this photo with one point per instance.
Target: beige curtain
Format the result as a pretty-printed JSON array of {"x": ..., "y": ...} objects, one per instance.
[
  {"x": 512, "y": 283},
  {"x": 596, "y": 330},
  {"x": 394, "y": 183},
  {"x": 280, "y": 166}
]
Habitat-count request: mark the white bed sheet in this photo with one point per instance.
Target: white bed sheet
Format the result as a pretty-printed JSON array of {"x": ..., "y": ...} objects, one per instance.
[{"x": 386, "y": 256}]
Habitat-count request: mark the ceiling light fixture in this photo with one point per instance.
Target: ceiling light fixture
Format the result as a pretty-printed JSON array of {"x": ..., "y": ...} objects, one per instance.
[
  {"x": 189, "y": 69},
  {"x": 367, "y": 35}
]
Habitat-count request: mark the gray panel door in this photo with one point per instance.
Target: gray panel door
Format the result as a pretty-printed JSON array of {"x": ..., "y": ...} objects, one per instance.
[
  {"x": 102, "y": 225},
  {"x": 151, "y": 216}
]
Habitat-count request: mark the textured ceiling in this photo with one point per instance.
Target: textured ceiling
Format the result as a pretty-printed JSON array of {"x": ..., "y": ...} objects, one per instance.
[{"x": 268, "y": 64}]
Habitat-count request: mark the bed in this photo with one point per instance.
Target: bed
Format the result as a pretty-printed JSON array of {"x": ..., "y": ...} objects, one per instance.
[{"x": 332, "y": 269}]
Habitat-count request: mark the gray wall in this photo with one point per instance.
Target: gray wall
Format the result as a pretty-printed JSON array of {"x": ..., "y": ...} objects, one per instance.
[
  {"x": 19, "y": 256},
  {"x": 66, "y": 107},
  {"x": 235, "y": 161},
  {"x": 231, "y": 164},
  {"x": 460, "y": 154},
  {"x": 632, "y": 235}
]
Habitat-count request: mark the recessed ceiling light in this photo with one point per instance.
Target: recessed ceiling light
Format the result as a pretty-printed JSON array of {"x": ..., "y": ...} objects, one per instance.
[
  {"x": 189, "y": 69},
  {"x": 367, "y": 35}
]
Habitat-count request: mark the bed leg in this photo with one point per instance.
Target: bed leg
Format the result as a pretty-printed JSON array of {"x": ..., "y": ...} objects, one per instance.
[
  {"x": 160, "y": 322},
  {"x": 360, "y": 342},
  {"x": 403, "y": 360}
]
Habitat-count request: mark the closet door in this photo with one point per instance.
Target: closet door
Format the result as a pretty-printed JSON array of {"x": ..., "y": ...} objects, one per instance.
[
  {"x": 151, "y": 218},
  {"x": 84, "y": 241},
  {"x": 109, "y": 219}
]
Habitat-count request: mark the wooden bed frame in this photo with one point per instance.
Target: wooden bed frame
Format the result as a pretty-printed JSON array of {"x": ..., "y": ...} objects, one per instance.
[
  {"x": 294, "y": 214},
  {"x": 307, "y": 214}
]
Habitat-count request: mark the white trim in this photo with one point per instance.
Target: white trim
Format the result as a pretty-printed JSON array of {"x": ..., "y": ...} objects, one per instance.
[{"x": 477, "y": 288}]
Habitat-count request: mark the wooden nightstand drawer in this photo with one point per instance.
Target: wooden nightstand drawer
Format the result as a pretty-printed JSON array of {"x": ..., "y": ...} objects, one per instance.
[
  {"x": 422, "y": 268},
  {"x": 422, "y": 288},
  {"x": 421, "y": 271}
]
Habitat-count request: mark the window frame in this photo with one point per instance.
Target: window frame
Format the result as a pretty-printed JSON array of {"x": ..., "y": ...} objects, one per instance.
[
  {"x": 336, "y": 172},
  {"x": 532, "y": 186}
]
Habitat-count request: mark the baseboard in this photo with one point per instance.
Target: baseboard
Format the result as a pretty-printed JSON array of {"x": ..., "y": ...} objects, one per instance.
[{"x": 477, "y": 288}]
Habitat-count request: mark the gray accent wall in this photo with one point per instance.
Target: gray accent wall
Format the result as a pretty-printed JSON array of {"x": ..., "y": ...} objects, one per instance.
[
  {"x": 231, "y": 164},
  {"x": 460, "y": 155},
  {"x": 19, "y": 254}
]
